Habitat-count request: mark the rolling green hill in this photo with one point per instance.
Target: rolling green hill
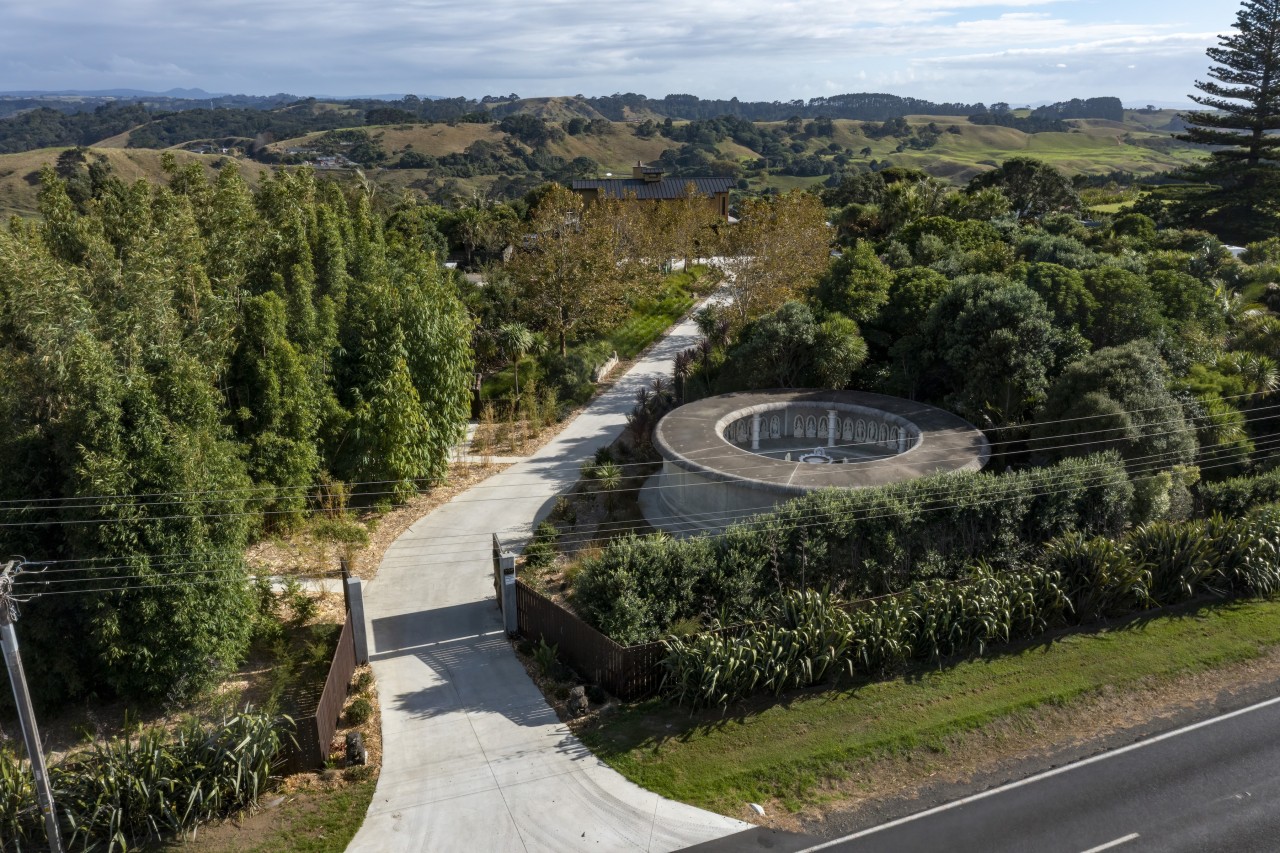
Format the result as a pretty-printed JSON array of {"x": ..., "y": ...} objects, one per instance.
[{"x": 960, "y": 151}]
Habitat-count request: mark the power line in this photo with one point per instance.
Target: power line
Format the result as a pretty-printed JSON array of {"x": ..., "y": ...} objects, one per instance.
[
  {"x": 37, "y": 579},
  {"x": 274, "y": 492},
  {"x": 805, "y": 522},
  {"x": 508, "y": 486},
  {"x": 695, "y": 522},
  {"x": 711, "y": 518}
]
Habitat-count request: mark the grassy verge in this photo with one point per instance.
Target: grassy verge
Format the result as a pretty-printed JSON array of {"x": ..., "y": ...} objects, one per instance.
[
  {"x": 313, "y": 821},
  {"x": 789, "y": 749}
]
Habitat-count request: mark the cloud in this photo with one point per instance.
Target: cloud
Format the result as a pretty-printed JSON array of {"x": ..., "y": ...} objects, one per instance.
[
  {"x": 1169, "y": 63},
  {"x": 750, "y": 48}
]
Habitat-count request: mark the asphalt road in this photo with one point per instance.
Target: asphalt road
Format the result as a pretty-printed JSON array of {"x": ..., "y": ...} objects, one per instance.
[{"x": 1211, "y": 786}]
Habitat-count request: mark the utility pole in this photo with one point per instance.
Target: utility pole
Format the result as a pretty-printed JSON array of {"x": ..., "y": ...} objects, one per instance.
[{"x": 21, "y": 698}]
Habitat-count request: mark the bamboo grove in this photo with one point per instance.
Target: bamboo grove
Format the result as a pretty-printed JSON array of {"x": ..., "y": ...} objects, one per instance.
[{"x": 185, "y": 366}]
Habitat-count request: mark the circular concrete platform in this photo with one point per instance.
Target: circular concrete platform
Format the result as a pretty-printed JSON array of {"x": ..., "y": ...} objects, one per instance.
[{"x": 729, "y": 457}]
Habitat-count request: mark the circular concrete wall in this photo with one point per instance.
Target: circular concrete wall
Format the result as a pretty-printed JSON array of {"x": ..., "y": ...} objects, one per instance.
[{"x": 728, "y": 457}]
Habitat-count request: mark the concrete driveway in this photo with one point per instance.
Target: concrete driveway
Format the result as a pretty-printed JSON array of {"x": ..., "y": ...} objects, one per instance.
[{"x": 473, "y": 757}]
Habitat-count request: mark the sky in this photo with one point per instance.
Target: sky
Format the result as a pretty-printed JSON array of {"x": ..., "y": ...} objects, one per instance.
[{"x": 1019, "y": 51}]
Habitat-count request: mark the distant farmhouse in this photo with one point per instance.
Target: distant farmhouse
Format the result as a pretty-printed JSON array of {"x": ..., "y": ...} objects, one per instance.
[{"x": 647, "y": 183}]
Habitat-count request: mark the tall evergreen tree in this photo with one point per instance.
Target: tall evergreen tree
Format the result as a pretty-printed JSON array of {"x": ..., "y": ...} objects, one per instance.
[
  {"x": 278, "y": 413},
  {"x": 1243, "y": 94},
  {"x": 1244, "y": 90}
]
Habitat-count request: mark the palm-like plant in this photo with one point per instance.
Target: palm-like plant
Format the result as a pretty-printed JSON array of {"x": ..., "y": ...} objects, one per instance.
[
  {"x": 608, "y": 482},
  {"x": 681, "y": 369},
  {"x": 1236, "y": 310},
  {"x": 515, "y": 340},
  {"x": 1259, "y": 372},
  {"x": 1257, "y": 332}
]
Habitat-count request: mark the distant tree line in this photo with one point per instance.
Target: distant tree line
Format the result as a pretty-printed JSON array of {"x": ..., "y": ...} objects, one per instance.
[
  {"x": 862, "y": 106},
  {"x": 47, "y": 128},
  {"x": 294, "y": 120},
  {"x": 165, "y": 122},
  {"x": 1104, "y": 108},
  {"x": 12, "y": 105},
  {"x": 1026, "y": 124}
]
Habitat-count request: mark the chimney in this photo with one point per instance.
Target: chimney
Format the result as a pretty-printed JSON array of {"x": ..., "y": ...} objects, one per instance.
[{"x": 648, "y": 174}]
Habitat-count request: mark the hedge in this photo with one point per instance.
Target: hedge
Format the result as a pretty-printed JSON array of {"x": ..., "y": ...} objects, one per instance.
[
  {"x": 1237, "y": 495},
  {"x": 856, "y": 543},
  {"x": 813, "y": 637}
]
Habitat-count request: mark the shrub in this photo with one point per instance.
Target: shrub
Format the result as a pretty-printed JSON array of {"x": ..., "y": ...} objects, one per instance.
[
  {"x": 267, "y": 629},
  {"x": 541, "y": 551},
  {"x": 565, "y": 510},
  {"x": 1099, "y": 576},
  {"x": 813, "y": 637},
  {"x": 544, "y": 655},
  {"x": 302, "y": 605},
  {"x": 363, "y": 682},
  {"x": 1179, "y": 557},
  {"x": 1236, "y": 496},
  {"x": 147, "y": 786},
  {"x": 359, "y": 712},
  {"x": 571, "y": 374},
  {"x": 1246, "y": 552},
  {"x": 856, "y": 543},
  {"x": 347, "y": 531}
]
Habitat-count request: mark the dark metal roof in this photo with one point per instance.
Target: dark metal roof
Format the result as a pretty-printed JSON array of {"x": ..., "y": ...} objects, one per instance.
[{"x": 665, "y": 188}]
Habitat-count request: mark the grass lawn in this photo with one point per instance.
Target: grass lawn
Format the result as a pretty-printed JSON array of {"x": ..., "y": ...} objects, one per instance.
[
  {"x": 786, "y": 749},
  {"x": 1113, "y": 208}
]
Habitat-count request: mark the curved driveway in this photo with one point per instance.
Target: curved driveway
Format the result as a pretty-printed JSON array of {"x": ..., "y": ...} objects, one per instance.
[{"x": 473, "y": 757}]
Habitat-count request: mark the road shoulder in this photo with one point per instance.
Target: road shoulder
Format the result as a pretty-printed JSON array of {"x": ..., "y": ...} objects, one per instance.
[{"x": 1033, "y": 742}]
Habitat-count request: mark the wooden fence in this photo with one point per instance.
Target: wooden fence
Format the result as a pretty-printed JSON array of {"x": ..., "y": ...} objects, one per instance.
[
  {"x": 628, "y": 672},
  {"x": 315, "y": 729}
]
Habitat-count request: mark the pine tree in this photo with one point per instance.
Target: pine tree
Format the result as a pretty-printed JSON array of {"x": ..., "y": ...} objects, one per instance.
[
  {"x": 1248, "y": 71},
  {"x": 1244, "y": 96}
]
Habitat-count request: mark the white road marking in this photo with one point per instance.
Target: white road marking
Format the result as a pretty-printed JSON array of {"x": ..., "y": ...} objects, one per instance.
[
  {"x": 1103, "y": 756},
  {"x": 1111, "y": 844}
]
